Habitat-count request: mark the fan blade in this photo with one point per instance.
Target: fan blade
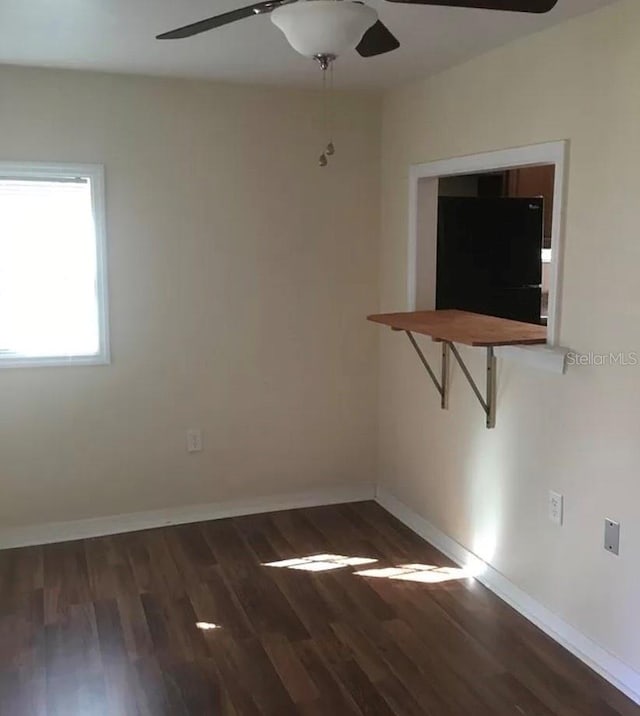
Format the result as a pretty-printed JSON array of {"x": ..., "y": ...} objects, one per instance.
[
  {"x": 219, "y": 20},
  {"x": 376, "y": 41},
  {"x": 538, "y": 6}
]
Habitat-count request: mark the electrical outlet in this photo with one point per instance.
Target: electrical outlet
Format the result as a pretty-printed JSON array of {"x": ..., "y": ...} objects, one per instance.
[
  {"x": 556, "y": 507},
  {"x": 194, "y": 440},
  {"x": 612, "y": 536}
]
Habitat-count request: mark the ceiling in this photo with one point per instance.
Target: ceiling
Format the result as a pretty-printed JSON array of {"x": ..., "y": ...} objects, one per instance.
[{"x": 118, "y": 35}]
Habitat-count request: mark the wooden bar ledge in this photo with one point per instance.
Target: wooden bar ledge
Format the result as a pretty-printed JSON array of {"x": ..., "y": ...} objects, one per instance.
[{"x": 470, "y": 329}]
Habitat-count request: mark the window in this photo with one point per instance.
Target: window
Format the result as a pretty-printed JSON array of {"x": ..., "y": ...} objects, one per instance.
[{"x": 52, "y": 265}]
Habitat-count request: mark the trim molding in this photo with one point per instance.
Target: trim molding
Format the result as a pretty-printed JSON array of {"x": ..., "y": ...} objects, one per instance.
[
  {"x": 610, "y": 667},
  {"x": 131, "y": 522}
]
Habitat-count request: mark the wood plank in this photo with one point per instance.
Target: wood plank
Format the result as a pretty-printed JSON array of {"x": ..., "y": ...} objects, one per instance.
[{"x": 471, "y": 329}]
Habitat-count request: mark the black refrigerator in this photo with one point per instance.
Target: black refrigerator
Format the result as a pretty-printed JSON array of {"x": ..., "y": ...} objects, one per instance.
[{"x": 490, "y": 256}]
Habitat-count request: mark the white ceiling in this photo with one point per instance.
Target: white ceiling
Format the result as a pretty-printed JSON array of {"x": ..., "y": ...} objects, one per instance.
[{"x": 118, "y": 35}]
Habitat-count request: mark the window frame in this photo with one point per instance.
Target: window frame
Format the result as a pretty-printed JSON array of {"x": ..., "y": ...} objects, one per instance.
[
  {"x": 422, "y": 239},
  {"x": 96, "y": 175}
]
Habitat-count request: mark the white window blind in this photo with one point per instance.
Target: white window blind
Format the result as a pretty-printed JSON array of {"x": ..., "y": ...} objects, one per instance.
[{"x": 50, "y": 289}]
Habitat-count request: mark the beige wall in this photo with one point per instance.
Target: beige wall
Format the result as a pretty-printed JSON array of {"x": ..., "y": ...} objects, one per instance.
[
  {"x": 239, "y": 274},
  {"x": 579, "y": 433}
]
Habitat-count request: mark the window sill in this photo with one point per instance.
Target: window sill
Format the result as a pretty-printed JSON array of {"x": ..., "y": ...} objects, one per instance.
[
  {"x": 54, "y": 362},
  {"x": 553, "y": 360}
]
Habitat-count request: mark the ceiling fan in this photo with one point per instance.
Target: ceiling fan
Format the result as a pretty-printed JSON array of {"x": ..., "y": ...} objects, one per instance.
[{"x": 323, "y": 29}]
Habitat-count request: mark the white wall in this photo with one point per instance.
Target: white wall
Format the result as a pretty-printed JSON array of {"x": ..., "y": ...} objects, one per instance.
[
  {"x": 578, "y": 433},
  {"x": 239, "y": 273}
]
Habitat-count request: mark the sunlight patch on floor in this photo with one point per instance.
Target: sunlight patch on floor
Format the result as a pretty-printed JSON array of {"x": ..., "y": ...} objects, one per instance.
[
  {"x": 321, "y": 562},
  {"x": 207, "y": 626},
  {"x": 426, "y": 573}
]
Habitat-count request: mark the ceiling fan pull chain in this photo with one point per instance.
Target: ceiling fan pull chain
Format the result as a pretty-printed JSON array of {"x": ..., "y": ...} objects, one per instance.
[
  {"x": 330, "y": 150},
  {"x": 327, "y": 111},
  {"x": 323, "y": 161}
]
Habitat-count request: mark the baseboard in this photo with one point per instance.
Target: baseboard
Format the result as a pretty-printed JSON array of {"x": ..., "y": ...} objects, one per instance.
[
  {"x": 615, "y": 671},
  {"x": 99, "y": 526}
]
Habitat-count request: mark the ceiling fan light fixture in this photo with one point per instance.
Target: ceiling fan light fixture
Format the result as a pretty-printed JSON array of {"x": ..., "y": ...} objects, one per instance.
[{"x": 324, "y": 27}]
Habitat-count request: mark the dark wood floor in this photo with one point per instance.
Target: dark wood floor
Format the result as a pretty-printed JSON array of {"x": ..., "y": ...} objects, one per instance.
[{"x": 107, "y": 626}]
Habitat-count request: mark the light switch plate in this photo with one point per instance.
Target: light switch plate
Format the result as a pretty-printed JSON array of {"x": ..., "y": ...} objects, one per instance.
[{"x": 612, "y": 536}]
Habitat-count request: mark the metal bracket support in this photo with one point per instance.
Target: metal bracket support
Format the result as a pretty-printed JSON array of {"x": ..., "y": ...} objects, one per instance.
[
  {"x": 442, "y": 385},
  {"x": 487, "y": 401}
]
